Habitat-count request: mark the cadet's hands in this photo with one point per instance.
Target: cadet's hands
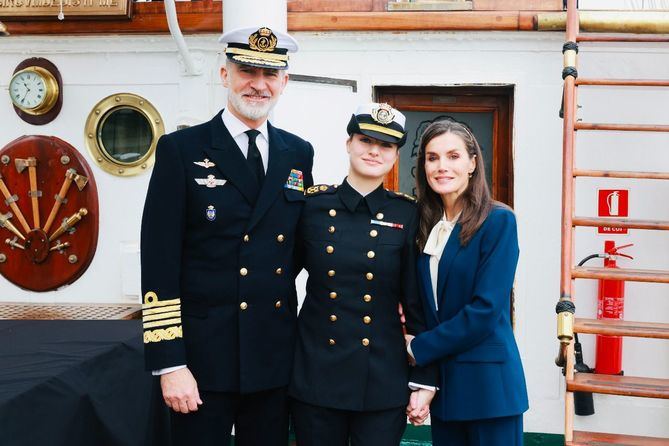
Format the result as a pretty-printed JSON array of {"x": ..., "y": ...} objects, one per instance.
[
  {"x": 180, "y": 391},
  {"x": 418, "y": 408}
]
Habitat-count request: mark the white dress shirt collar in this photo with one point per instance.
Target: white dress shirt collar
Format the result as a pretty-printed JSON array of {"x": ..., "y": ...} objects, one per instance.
[{"x": 236, "y": 127}]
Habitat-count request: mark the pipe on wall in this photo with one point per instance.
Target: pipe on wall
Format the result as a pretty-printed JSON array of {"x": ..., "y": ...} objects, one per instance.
[{"x": 173, "y": 25}]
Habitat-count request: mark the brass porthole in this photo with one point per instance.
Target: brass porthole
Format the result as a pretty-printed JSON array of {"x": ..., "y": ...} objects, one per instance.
[{"x": 121, "y": 134}]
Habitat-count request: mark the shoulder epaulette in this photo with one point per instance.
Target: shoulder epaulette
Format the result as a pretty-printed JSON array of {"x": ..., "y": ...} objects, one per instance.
[
  {"x": 318, "y": 189},
  {"x": 407, "y": 197}
]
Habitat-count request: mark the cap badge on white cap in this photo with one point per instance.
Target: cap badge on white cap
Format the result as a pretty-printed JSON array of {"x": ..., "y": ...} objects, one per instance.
[
  {"x": 263, "y": 40},
  {"x": 383, "y": 114}
]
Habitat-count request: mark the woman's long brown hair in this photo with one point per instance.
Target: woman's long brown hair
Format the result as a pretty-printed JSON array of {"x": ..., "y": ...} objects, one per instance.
[{"x": 476, "y": 199}]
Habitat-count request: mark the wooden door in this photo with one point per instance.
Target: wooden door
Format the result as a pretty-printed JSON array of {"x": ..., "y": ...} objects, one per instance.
[{"x": 488, "y": 110}]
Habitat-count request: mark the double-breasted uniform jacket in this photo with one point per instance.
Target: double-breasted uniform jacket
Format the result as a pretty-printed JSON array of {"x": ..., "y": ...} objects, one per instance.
[
  {"x": 217, "y": 258},
  {"x": 360, "y": 256},
  {"x": 470, "y": 336}
]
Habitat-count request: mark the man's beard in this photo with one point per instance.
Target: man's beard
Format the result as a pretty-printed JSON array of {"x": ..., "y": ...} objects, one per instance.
[{"x": 251, "y": 111}]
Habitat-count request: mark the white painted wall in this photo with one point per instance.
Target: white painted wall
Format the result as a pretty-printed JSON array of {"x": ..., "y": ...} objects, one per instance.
[{"x": 94, "y": 67}]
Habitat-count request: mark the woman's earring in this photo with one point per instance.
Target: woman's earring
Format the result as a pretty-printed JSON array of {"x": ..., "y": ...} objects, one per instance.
[{"x": 470, "y": 174}]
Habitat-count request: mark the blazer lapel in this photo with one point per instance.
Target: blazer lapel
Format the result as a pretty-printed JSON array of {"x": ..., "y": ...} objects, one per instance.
[
  {"x": 280, "y": 161},
  {"x": 450, "y": 251},
  {"x": 426, "y": 282},
  {"x": 229, "y": 160}
]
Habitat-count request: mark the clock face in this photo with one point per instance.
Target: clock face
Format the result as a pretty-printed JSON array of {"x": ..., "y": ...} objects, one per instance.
[{"x": 28, "y": 90}]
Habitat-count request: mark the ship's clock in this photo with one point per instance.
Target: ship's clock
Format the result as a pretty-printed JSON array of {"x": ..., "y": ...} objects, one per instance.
[{"x": 36, "y": 91}]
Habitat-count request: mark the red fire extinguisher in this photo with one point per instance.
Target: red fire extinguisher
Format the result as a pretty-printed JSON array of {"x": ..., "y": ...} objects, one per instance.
[{"x": 610, "y": 305}]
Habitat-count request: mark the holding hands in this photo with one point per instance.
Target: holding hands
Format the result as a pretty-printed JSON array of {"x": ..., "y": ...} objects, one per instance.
[{"x": 418, "y": 408}]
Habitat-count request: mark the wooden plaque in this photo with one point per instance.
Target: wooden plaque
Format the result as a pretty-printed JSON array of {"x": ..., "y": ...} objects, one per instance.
[
  {"x": 72, "y": 9},
  {"x": 33, "y": 256}
]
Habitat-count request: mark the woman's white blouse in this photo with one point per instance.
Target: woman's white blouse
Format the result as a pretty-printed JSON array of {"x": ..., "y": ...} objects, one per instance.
[{"x": 434, "y": 247}]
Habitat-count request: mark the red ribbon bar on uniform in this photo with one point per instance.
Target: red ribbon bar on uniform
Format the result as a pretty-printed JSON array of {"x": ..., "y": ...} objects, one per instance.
[{"x": 387, "y": 223}]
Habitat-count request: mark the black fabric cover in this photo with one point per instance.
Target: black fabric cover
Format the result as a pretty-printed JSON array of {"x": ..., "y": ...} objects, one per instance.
[{"x": 77, "y": 383}]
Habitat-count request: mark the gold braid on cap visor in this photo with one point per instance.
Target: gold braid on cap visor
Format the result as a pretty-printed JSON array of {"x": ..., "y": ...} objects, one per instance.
[
  {"x": 257, "y": 60},
  {"x": 380, "y": 129},
  {"x": 258, "y": 54}
]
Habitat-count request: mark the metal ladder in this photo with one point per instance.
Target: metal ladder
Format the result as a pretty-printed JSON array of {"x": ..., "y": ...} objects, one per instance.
[{"x": 568, "y": 324}]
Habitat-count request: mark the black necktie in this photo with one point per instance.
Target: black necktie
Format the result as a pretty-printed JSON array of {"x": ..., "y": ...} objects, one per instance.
[{"x": 253, "y": 158}]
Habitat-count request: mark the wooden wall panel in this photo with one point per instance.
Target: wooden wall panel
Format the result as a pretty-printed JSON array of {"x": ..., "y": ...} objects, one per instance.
[
  {"x": 331, "y": 5},
  {"x": 405, "y": 21},
  {"x": 205, "y": 16},
  {"x": 518, "y": 5}
]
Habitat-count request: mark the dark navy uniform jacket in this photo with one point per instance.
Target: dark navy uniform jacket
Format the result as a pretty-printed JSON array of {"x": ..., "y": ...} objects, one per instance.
[
  {"x": 217, "y": 262},
  {"x": 361, "y": 257},
  {"x": 470, "y": 337}
]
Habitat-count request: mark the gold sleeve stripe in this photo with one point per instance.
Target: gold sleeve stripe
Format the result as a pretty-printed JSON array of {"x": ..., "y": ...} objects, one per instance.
[
  {"x": 162, "y": 310},
  {"x": 256, "y": 54},
  {"x": 161, "y": 303},
  {"x": 156, "y": 317},
  {"x": 163, "y": 323},
  {"x": 163, "y": 334},
  {"x": 381, "y": 129}
]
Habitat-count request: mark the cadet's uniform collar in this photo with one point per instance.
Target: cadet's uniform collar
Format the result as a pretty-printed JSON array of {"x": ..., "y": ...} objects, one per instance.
[{"x": 352, "y": 198}]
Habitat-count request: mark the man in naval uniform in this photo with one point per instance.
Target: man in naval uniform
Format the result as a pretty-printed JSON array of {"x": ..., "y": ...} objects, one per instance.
[{"x": 217, "y": 245}]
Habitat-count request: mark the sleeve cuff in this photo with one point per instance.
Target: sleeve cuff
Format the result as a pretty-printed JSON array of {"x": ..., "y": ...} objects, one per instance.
[
  {"x": 416, "y": 386},
  {"x": 168, "y": 370}
]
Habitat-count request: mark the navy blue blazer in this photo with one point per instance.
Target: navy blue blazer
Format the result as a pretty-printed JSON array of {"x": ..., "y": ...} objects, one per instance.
[{"x": 470, "y": 336}]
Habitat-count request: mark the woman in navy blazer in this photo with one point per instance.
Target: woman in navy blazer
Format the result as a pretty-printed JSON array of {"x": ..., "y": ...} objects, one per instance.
[{"x": 466, "y": 271}]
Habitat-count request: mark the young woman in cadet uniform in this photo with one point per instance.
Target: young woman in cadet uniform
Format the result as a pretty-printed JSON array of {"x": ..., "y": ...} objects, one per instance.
[
  {"x": 469, "y": 250},
  {"x": 358, "y": 243}
]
